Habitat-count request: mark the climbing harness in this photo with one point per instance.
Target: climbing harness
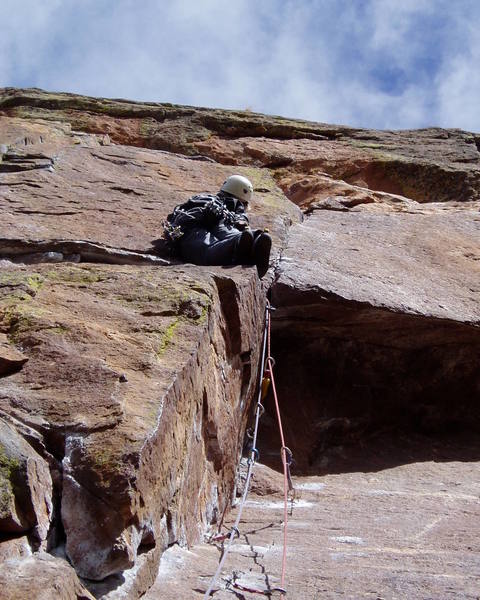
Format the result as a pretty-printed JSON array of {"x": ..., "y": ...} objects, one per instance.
[{"x": 266, "y": 379}]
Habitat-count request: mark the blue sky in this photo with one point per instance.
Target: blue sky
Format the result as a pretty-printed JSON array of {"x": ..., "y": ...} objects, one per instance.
[{"x": 370, "y": 63}]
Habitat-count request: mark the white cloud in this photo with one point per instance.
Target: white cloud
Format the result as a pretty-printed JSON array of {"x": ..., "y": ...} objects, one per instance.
[
  {"x": 459, "y": 84},
  {"x": 24, "y": 36},
  {"x": 377, "y": 63}
]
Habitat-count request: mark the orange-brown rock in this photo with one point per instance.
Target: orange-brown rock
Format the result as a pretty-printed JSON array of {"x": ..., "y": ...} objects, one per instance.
[
  {"x": 424, "y": 165},
  {"x": 141, "y": 436},
  {"x": 10, "y": 358},
  {"x": 25, "y": 487},
  {"x": 407, "y": 531},
  {"x": 42, "y": 577},
  {"x": 131, "y": 382},
  {"x": 114, "y": 196},
  {"x": 126, "y": 377}
]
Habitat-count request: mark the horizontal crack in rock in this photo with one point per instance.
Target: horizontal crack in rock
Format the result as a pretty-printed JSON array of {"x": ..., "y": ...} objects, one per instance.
[
  {"x": 25, "y": 211},
  {"x": 17, "y": 250}
]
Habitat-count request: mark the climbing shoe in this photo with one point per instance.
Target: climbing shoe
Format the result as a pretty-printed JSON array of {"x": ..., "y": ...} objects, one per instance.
[
  {"x": 244, "y": 248},
  {"x": 261, "y": 253}
]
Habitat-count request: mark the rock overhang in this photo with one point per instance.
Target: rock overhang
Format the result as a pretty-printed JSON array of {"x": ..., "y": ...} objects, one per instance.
[
  {"x": 376, "y": 330},
  {"x": 409, "y": 285},
  {"x": 425, "y": 264}
]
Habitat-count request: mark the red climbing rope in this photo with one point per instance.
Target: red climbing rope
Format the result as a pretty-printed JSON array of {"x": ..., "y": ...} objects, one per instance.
[
  {"x": 251, "y": 461},
  {"x": 267, "y": 365},
  {"x": 287, "y": 482}
]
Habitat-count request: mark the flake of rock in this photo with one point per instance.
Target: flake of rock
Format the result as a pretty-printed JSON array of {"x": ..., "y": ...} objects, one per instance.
[
  {"x": 150, "y": 462},
  {"x": 388, "y": 308},
  {"x": 42, "y": 577},
  {"x": 11, "y": 359},
  {"x": 15, "y": 548},
  {"x": 25, "y": 487},
  {"x": 417, "y": 264}
]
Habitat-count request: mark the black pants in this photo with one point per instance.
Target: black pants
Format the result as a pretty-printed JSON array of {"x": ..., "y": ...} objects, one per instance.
[{"x": 215, "y": 246}]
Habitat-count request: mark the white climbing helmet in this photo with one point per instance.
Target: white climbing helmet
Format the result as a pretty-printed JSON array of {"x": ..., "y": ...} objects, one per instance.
[{"x": 238, "y": 186}]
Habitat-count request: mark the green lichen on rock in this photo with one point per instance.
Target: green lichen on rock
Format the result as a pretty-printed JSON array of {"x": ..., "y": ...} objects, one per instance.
[
  {"x": 34, "y": 282},
  {"x": 19, "y": 285},
  {"x": 8, "y": 466},
  {"x": 167, "y": 338},
  {"x": 75, "y": 275},
  {"x": 18, "y": 319},
  {"x": 264, "y": 186},
  {"x": 101, "y": 458},
  {"x": 56, "y": 330},
  {"x": 147, "y": 127},
  {"x": 204, "y": 314},
  {"x": 190, "y": 302},
  {"x": 17, "y": 314},
  {"x": 107, "y": 464},
  {"x": 16, "y": 311},
  {"x": 192, "y": 308}
]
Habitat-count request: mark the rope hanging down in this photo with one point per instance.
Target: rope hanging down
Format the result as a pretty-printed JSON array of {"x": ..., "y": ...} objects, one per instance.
[
  {"x": 287, "y": 480},
  {"x": 267, "y": 365}
]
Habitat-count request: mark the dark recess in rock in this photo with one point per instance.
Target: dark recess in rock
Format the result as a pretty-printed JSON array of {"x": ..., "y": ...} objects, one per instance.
[
  {"x": 366, "y": 389},
  {"x": 135, "y": 396}
]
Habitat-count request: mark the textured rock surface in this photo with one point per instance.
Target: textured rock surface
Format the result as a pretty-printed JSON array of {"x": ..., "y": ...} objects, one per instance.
[
  {"x": 11, "y": 359},
  {"x": 423, "y": 264},
  {"x": 116, "y": 196},
  {"x": 127, "y": 381},
  {"x": 15, "y": 547},
  {"x": 42, "y": 577},
  {"x": 403, "y": 532},
  {"x": 132, "y": 382},
  {"x": 378, "y": 317},
  {"x": 25, "y": 487},
  {"x": 141, "y": 436}
]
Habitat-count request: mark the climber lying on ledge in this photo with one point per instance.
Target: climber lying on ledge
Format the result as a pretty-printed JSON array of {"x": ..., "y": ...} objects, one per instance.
[{"x": 214, "y": 229}]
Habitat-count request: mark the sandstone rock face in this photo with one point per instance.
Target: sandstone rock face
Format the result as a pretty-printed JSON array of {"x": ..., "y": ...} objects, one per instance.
[
  {"x": 126, "y": 377},
  {"x": 419, "y": 264},
  {"x": 25, "y": 486},
  {"x": 408, "y": 531},
  {"x": 113, "y": 196},
  {"x": 10, "y": 358},
  {"x": 387, "y": 305},
  {"x": 16, "y": 547},
  {"x": 41, "y": 577},
  {"x": 110, "y": 385},
  {"x": 132, "y": 382}
]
